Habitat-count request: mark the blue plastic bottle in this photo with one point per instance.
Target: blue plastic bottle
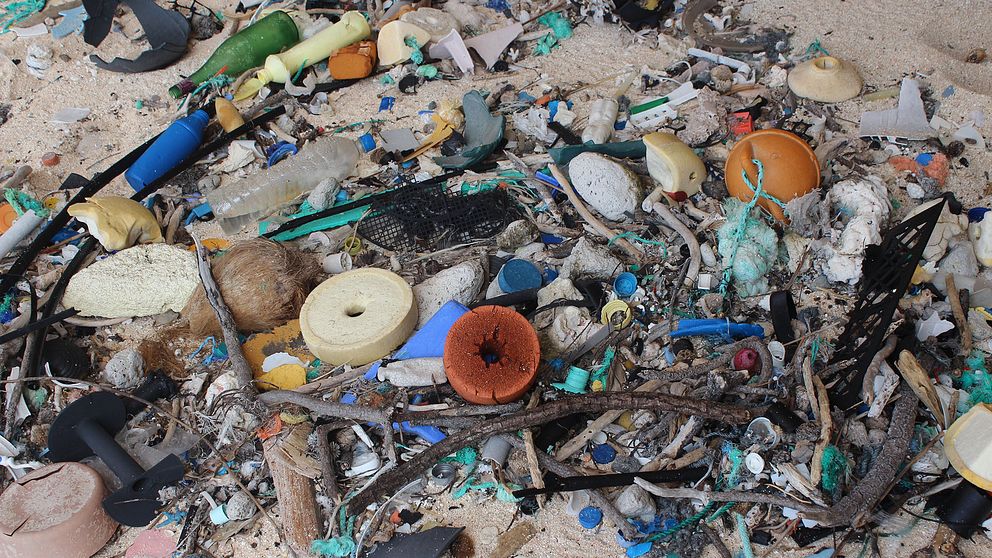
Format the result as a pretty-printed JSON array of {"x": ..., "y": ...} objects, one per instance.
[{"x": 176, "y": 143}]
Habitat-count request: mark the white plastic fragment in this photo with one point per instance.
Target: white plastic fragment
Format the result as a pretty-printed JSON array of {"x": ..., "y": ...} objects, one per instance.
[{"x": 907, "y": 121}]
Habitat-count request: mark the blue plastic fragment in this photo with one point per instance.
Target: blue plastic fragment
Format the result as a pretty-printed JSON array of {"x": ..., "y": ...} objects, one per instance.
[
  {"x": 279, "y": 151},
  {"x": 639, "y": 549},
  {"x": 430, "y": 434},
  {"x": 977, "y": 214},
  {"x": 716, "y": 326},
  {"x": 72, "y": 22},
  {"x": 551, "y": 239},
  {"x": 387, "y": 103},
  {"x": 924, "y": 158}
]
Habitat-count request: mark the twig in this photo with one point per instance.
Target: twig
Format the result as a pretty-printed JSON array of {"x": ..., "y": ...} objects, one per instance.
[
  {"x": 960, "y": 315},
  {"x": 875, "y": 366},
  {"x": 13, "y": 399},
  {"x": 239, "y": 364},
  {"x": 590, "y": 403},
  {"x": 826, "y": 426},
  {"x": 532, "y": 460},
  {"x": 569, "y": 448},
  {"x": 728, "y": 496},
  {"x": 695, "y": 256},
  {"x": 854, "y": 508},
  {"x": 714, "y": 538}
]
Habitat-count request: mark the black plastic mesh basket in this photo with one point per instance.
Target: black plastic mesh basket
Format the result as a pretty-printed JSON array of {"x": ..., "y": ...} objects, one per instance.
[
  {"x": 888, "y": 270},
  {"x": 428, "y": 217}
]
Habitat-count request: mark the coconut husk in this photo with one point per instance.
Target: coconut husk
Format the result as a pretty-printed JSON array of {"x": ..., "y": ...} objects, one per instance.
[{"x": 263, "y": 282}]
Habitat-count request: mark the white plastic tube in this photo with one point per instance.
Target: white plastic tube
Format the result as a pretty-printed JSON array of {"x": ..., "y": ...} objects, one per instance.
[
  {"x": 22, "y": 227},
  {"x": 602, "y": 117}
]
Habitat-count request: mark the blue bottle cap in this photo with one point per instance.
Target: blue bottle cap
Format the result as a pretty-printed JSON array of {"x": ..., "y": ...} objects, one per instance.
[
  {"x": 367, "y": 142},
  {"x": 625, "y": 284},
  {"x": 603, "y": 454},
  {"x": 519, "y": 275},
  {"x": 590, "y": 517}
]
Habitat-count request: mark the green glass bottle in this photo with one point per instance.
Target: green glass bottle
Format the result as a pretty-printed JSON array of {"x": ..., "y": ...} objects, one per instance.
[{"x": 245, "y": 50}]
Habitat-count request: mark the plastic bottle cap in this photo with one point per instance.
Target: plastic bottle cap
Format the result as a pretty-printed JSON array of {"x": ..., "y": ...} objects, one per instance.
[
  {"x": 603, "y": 454},
  {"x": 519, "y": 275},
  {"x": 754, "y": 463},
  {"x": 625, "y": 284},
  {"x": 575, "y": 382},
  {"x": 590, "y": 517},
  {"x": 367, "y": 142}
]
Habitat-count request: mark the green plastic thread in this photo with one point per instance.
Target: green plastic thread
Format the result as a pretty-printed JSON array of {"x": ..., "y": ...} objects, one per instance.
[{"x": 16, "y": 12}]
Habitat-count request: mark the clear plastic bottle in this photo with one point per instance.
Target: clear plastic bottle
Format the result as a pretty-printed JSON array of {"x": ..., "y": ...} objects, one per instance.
[{"x": 241, "y": 203}]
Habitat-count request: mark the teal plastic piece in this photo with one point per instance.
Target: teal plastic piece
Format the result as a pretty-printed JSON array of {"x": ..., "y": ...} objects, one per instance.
[
  {"x": 575, "y": 382},
  {"x": 483, "y": 132},
  {"x": 331, "y": 222},
  {"x": 618, "y": 149}
]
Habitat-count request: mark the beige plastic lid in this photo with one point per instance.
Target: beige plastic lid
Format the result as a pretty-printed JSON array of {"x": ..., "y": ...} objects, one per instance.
[{"x": 967, "y": 446}]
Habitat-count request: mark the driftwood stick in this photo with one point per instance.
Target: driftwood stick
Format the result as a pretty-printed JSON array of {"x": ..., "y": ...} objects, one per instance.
[
  {"x": 728, "y": 496},
  {"x": 726, "y": 356},
  {"x": 960, "y": 314},
  {"x": 239, "y": 365},
  {"x": 854, "y": 508},
  {"x": 594, "y": 403},
  {"x": 296, "y": 494}
]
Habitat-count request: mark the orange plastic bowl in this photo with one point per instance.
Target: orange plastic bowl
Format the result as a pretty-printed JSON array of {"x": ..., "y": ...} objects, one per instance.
[
  {"x": 491, "y": 355},
  {"x": 791, "y": 168}
]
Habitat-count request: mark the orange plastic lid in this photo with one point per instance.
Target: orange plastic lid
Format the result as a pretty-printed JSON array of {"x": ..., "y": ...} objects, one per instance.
[
  {"x": 791, "y": 168},
  {"x": 7, "y": 217},
  {"x": 491, "y": 355}
]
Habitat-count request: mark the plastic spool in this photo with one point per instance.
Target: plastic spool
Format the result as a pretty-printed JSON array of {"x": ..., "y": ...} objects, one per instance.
[
  {"x": 443, "y": 475},
  {"x": 491, "y": 355},
  {"x": 625, "y": 284},
  {"x": 613, "y": 307},
  {"x": 358, "y": 316},
  {"x": 55, "y": 511},
  {"x": 519, "y": 275}
]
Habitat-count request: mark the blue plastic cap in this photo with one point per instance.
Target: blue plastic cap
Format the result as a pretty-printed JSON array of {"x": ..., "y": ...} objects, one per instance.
[
  {"x": 367, "y": 142},
  {"x": 603, "y": 454},
  {"x": 519, "y": 275},
  {"x": 625, "y": 284},
  {"x": 977, "y": 214},
  {"x": 590, "y": 517}
]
